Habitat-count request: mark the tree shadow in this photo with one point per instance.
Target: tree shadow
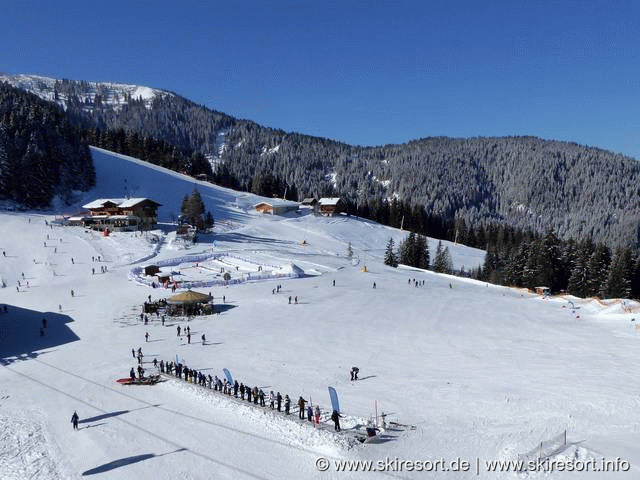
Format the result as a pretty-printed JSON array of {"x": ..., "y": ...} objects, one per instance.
[{"x": 23, "y": 333}]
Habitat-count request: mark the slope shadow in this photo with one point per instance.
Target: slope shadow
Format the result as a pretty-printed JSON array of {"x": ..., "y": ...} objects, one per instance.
[
  {"x": 222, "y": 307},
  {"x": 123, "y": 462},
  {"x": 243, "y": 237},
  {"x": 103, "y": 416},
  {"x": 21, "y": 339}
]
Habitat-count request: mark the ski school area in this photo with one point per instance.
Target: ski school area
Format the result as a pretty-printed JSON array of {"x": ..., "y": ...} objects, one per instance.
[{"x": 210, "y": 269}]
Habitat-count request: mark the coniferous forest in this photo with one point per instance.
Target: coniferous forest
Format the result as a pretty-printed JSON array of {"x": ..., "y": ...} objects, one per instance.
[
  {"x": 547, "y": 212},
  {"x": 42, "y": 153}
]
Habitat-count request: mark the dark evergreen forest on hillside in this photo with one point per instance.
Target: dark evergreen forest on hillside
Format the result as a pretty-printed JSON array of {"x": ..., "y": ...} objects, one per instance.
[
  {"x": 548, "y": 213},
  {"x": 42, "y": 153},
  {"x": 524, "y": 182}
]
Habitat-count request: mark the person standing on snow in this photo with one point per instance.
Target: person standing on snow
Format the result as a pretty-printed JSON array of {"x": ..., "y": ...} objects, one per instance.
[
  {"x": 287, "y": 404},
  {"x": 74, "y": 420},
  {"x": 335, "y": 416},
  {"x": 279, "y": 401},
  {"x": 272, "y": 399},
  {"x": 317, "y": 415},
  {"x": 301, "y": 402}
]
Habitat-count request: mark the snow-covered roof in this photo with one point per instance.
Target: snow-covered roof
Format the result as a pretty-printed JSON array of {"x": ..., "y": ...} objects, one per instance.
[
  {"x": 132, "y": 202},
  {"x": 119, "y": 202},
  {"x": 329, "y": 201},
  {"x": 277, "y": 202}
]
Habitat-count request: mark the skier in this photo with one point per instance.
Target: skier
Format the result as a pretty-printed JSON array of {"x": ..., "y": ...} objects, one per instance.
[
  {"x": 74, "y": 420},
  {"x": 335, "y": 416},
  {"x": 146, "y": 337},
  {"x": 178, "y": 330},
  {"x": 203, "y": 340},
  {"x": 155, "y": 362},
  {"x": 255, "y": 395},
  {"x": 132, "y": 374},
  {"x": 188, "y": 338},
  {"x": 354, "y": 373},
  {"x": 289, "y": 299},
  {"x": 235, "y": 388},
  {"x": 317, "y": 415},
  {"x": 301, "y": 402},
  {"x": 272, "y": 399},
  {"x": 279, "y": 400},
  {"x": 72, "y": 293},
  {"x": 287, "y": 404},
  {"x": 310, "y": 413},
  {"x": 374, "y": 284}
]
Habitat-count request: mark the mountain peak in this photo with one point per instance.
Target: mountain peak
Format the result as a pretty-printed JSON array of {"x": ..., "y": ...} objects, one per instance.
[{"x": 110, "y": 94}]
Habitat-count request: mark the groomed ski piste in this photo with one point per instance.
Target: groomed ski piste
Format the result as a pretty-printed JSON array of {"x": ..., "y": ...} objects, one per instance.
[{"x": 464, "y": 371}]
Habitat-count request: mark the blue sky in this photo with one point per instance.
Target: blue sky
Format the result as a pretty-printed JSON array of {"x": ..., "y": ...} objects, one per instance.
[{"x": 362, "y": 72}]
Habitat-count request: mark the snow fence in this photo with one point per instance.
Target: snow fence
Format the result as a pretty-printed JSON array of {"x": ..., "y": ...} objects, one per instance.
[{"x": 137, "y": 273}]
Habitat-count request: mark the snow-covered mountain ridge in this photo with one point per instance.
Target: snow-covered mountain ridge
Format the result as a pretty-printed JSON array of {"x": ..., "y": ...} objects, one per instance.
[{"x": 91, "y": 94}]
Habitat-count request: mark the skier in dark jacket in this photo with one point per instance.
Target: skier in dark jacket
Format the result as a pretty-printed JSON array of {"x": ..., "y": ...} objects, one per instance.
[
  {"x": 242, "y": 390},
  {"x": 287, "y": 404},
  {"x": 279, "y": 401},
  {"x": 301, "y": 402},
  {"x": 74, "y": 420},
  {"x": 335, "y": 416},
  {"x": 235, "y": 388}
]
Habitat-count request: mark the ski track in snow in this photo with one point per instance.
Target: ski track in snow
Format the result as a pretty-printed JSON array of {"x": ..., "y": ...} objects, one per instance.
[{"x": 25, "y": 451}]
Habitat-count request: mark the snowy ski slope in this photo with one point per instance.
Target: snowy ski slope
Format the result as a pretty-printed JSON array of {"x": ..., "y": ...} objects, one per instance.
[{"x": 482, "y": 373}]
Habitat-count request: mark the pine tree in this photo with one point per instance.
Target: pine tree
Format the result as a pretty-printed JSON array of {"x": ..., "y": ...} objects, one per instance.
[
  {"x": 579, "y": 271},
  {"x": 597, "y": 271},
  {"x": 389, "y": 255},
  {"x": 193, "y": 209},
  {"x": 439, "y": 261},
  {"x": 618, "y": 282}
]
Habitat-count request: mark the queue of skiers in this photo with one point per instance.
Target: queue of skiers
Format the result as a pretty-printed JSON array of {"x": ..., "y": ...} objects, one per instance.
[{"x": 254, "y": 394}]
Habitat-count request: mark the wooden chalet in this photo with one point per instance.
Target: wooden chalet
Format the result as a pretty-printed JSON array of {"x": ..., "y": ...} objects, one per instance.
[
  {"x": 309, "y": 203},
  {"x": 119, "y": 214},
  {"x": 329, "y": 206},
  {"x": 277, "y": 206}
]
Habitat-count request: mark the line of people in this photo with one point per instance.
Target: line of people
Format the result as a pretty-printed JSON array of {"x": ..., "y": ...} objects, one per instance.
[{"x": 254, "y": 395}]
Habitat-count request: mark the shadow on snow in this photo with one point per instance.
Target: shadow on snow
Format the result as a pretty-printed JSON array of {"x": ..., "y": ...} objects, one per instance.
[{"x": 21, "y": 336}]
